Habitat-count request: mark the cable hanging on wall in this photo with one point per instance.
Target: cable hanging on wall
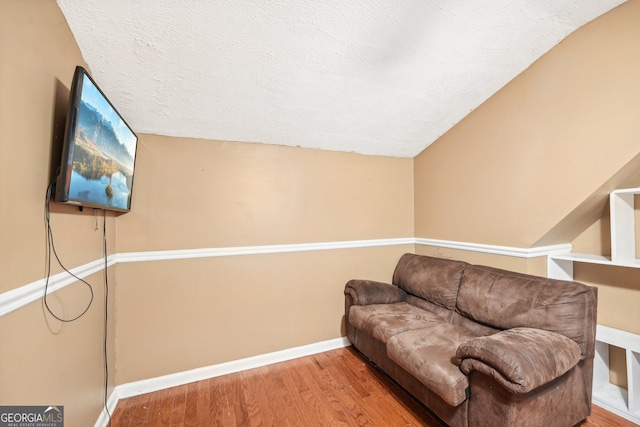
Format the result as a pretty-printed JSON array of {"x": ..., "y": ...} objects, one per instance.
[{"x": 51, "y": 249}]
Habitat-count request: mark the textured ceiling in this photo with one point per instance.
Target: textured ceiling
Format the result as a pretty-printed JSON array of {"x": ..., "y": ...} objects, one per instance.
[{"x": 368, "y": 76}]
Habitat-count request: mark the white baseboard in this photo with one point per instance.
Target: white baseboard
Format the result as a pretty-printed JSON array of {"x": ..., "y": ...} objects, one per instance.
[
  {"x": 104, "y": 418},
  {"x": 149, "y": 385}
]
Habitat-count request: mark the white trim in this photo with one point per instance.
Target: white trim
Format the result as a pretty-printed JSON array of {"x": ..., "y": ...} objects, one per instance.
[
  {"x": 19, "y": 297},
  {"x": 172, "y": 380},
  {"x": 112, "y": 402},
  {"x": 258, "y": 250},
  {"x": 304, "y": 247},
  {"x": 497, "y": 250}
]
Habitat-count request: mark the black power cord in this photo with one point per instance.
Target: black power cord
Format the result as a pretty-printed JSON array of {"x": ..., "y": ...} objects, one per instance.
[
  {"x": 106, "y": 315},
  {"x": 52, "y": 248}
]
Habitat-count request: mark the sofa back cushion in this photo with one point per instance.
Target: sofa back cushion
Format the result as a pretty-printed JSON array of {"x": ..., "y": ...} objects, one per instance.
[
  {"x": 504, "y": 299},
  {"x": 433, "y": 279}
]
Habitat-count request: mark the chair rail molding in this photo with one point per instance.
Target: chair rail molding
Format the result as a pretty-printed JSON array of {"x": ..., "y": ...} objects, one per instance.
[{"x": 23, "y": 295}]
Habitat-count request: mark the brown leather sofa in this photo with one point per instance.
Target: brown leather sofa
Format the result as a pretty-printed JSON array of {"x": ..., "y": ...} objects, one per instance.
[{"x": 479, "y": 346}]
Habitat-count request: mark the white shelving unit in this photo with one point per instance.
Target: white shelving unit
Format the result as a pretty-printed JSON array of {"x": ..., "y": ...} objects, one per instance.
[
  {"x": 624, "y": 402},
  {"x": 623, "y": 236}
]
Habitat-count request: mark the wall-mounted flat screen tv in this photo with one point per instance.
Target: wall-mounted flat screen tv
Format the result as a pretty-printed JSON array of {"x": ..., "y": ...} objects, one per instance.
[{"x": 98, "y": 151}]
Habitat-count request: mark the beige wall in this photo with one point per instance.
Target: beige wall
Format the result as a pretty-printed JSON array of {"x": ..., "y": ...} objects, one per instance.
[
  {"x": 183, "y": 314},
  {"x": 41, "y": 360},
  {"x": 191, "y": 194},
  {"x": 46, "y": 362},
  {"x": 542, "y": 146}
]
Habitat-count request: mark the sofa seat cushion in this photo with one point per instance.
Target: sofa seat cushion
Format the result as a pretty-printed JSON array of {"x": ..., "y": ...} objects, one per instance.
[
  {"x": 429, "y": 354},
  {"x": 383, "y": 321}
]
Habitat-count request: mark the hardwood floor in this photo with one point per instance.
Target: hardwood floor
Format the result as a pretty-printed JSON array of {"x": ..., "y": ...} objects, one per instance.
[{"x": 328, "y": 389}]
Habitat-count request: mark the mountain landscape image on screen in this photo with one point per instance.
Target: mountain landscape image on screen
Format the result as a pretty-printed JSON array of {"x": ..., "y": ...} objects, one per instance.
[{"x": 102, "y": 165}]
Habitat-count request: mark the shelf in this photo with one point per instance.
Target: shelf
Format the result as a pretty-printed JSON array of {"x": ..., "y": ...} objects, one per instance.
[
  {"x": 618, "y": 338},
  {"x": 614, "y": 399},
  {"x": 612, "y": 396},
  {"x": 623, "y": 402},
  {"x": 623, "y": 236},
  {"x": 597, "y": 259}
]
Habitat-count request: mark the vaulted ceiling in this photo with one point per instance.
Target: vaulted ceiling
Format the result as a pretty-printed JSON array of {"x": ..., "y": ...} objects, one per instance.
[{"x": 368, "y": 76}]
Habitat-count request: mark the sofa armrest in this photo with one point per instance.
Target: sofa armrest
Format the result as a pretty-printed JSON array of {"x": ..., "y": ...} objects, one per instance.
[
  {"x": 520, "y": 359},
  {"x": 365, "y": 292}
]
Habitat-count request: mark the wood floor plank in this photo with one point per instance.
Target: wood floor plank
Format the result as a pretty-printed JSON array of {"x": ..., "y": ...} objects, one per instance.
[
  {"x": 326, "y": 408},
  {"x": 602, "y": 418},
  {"x": 221, "y": 410},
  {"x": 179, "y": 404},
  {"x": 165, "y": 407},
  {"x": 344, "y": 409},
  {"x": 203, "y": 404},
  {"x": 351, "y": 369},
  {"x": 252, "y": 394},
  {"x": 256, "y": 378},
  {"x": 124, "y": 412},
  {"x": 335, "y": 388},
  {"x": 191, "y": 405},
  {"x": 140, "y": 414},
  {"x": 311, "y": 401},
  {"x": 234, "y": 393},
  {"x": 286, "y": 413},
  {"x": 349, "y": 374},
  {"x": 151, "y": 407}
]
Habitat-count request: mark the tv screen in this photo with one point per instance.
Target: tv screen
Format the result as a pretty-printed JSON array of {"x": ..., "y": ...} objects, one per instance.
[{"x": 98, "y": 150}]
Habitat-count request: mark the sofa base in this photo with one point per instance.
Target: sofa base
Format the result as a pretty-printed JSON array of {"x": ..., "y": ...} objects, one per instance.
[
  {"x": 375, "y": 351},
  {"x": 489, "y": 405},
  {"x": 554, "y": 404}
]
